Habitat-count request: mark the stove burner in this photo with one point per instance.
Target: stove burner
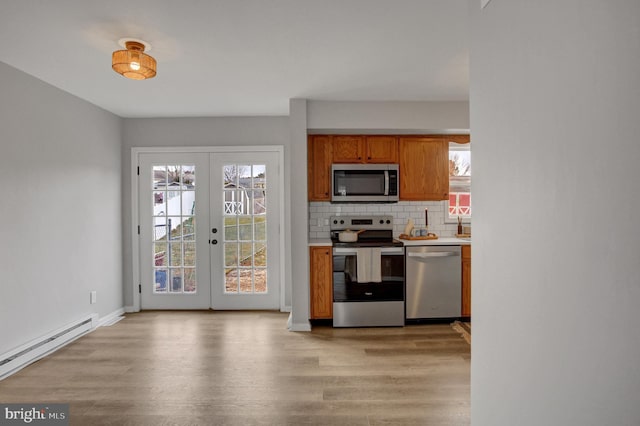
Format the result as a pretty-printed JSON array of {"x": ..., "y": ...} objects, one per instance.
[{"x": 378, "y": 231}]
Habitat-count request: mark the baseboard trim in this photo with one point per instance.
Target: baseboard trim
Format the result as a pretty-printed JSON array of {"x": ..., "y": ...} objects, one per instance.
[
  {"x": 30, "y": 352},
  {"x": 111, "y": 318},
  {"x": 130, "y": 309},
  {"x": 298, "y": 326},
  {"x": 286, "y": 309}
]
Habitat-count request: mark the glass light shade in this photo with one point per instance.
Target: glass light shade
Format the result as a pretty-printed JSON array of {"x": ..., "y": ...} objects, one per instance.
[{"x": 133, "y": 63}]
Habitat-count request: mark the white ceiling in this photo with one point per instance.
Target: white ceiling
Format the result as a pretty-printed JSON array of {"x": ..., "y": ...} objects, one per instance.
[{"x": 243, "y": 57}]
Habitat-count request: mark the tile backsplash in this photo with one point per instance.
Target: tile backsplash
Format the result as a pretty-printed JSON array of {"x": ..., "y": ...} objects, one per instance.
[{"x": 319, "y": 213}]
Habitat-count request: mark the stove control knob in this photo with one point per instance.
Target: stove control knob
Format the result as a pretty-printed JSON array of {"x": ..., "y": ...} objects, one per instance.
[
  {"x": 381, "y": 221},
  {"x": 342, "y": 222},
  {"x": 335, "y": 222},
  {"x": 388, "y": 222}
]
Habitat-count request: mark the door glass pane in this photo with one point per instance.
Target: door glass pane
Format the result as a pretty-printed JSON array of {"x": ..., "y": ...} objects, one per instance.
[
  {"x": 159, "y": 228},
  {"x": 259, "y": 202},
  {"x": 245, "y": 238},
  {"x": 188, "y": 176},
  {"x": 160, "y": 253},
  {"x": 158, "y": 203},
  {"x": 161, "y": 280},
  {"x": 189, "y": 229},
  {"x": 174, "y": 231},
  {"x": 189, "y": 254},
  {"x": 175, "y": 253},
  {"x": 244, "y": 228},
  {"x": 230, "y": 254},
  {"x": 230, "y": 228},
  {"x": 188, "y": 203},
  {"x": 244, "y": 175},
  {"x": 246, "y": 280},
  {"x": 189, "y": 280},
  {"x": 260, "y": 280},
  {"x": 176, "y": 280},
  {"x": 246, "y": 254},
  {"x": 260, "y": 228},
  {"x": 260, "y": 254},
  {"x": 231, "y": 280}
]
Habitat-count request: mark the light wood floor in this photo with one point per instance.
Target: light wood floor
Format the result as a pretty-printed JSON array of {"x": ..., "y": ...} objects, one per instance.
[{"x": 245, "y": 368}]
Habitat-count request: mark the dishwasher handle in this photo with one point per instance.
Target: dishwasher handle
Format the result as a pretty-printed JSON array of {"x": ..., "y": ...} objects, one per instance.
[
  {"x": 434, "y": 254},
  {"x": 399, "y": 251}
]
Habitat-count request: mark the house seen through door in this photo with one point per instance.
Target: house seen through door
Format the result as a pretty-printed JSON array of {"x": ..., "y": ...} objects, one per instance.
[{"x": 209, "y": 230}]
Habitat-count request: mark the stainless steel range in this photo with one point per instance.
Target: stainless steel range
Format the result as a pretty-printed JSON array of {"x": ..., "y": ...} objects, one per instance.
[{"x": 368, "y": 274}]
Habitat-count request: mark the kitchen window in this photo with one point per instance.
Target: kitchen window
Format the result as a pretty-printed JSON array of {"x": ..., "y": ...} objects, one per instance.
[{"x": 459, "y": 204}]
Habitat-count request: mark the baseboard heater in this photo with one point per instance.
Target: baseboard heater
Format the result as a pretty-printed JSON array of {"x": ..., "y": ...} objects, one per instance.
[{"x": 12, "y": 361}]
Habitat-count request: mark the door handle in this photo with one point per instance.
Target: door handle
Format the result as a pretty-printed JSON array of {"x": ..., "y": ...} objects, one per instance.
[{"x": 433, "y": 254}]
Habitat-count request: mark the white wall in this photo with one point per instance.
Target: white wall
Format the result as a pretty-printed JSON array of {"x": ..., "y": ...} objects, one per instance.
[
  {"x": 298, "y": 216},
  {"x": 213, "y": 131},
  {"x": 59, "y": 208},
  {"x": 403, "y": 117},
  {"x": 555, "y": 98}
]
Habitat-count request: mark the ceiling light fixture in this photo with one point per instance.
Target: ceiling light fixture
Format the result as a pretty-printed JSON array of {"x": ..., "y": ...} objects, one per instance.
[{"x": 133, "y": 63}]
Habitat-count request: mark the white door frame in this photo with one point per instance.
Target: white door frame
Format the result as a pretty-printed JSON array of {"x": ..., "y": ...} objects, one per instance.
[{"x": 135, "y": 210}]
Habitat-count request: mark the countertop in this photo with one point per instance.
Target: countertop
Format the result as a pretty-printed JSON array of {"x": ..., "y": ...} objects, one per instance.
[
  {"x": 445, "y": 241},
  {"x": 320, "y": 242}
]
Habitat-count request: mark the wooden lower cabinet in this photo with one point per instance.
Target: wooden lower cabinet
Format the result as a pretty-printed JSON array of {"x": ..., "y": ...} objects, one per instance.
[
  {"x": 466, "y": 281},
  {"x": 321, "y": 278}
]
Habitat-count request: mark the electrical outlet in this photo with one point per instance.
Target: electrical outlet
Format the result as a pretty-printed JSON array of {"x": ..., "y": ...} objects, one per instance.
[
  {"x": 326, "y": 222},
  {"x": 94, "y": 297}
]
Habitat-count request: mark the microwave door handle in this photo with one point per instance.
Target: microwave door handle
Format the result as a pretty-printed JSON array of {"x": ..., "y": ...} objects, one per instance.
[{"x": 386, "y": 182}]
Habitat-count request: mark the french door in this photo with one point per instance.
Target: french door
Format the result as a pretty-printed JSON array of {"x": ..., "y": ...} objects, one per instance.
[
  {"x": 209, "y": 230},
  {"x": 245, "y": 210}
]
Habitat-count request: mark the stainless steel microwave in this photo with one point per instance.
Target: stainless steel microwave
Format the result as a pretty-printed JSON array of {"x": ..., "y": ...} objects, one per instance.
[{"x": 364, "y": 183}]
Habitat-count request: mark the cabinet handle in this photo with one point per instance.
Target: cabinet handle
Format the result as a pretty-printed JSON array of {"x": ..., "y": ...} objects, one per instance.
[{"x": 368, "y": 158}]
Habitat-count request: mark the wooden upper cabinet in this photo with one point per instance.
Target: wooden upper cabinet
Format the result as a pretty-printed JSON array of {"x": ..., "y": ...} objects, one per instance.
[
  {"x": 365, "y": 149},
  {"x": 462, "y": 139},
  {"x": 320, "y": 156},
  {"x": 381, "y": 149},
  {"x": 348, "y": 149},
  {"x": 424, "y": 168},
  {"x": 423, "y": 162}
]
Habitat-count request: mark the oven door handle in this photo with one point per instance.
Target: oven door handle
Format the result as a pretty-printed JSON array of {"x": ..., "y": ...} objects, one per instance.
[{"x": 383, "y": 250}]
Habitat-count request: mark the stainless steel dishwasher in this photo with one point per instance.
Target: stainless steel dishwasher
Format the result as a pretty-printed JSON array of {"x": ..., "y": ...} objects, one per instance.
[{"x": 433, "y": 280}]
